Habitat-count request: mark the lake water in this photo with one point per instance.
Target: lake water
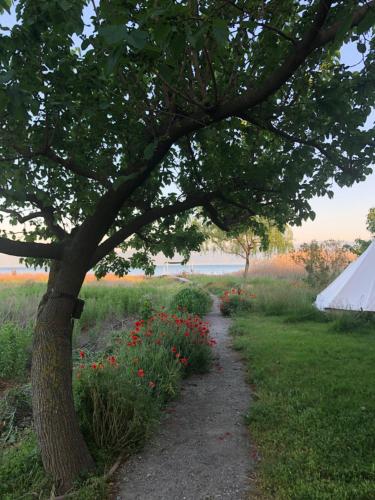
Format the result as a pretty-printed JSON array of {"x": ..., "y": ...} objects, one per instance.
[{"x": 159, "y": 270}]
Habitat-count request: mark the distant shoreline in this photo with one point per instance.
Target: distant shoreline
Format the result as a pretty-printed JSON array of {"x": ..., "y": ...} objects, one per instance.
[{"x": 160, "y": 270}]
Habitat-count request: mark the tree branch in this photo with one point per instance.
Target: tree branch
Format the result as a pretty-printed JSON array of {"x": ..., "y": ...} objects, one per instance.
[
  {"x": 215, "y": 217},
  {"x": 322, "y": 148},
  {"x": 31, "y": 249},
  {"x": 147, "y": 218},
  {"x": 46, "y": 212},
  {"x": 329, "y": 34},
  {"x": 19, "y": 217},
  {"x": 73, "y": 167},
  {"x": 48, "y": 215}
]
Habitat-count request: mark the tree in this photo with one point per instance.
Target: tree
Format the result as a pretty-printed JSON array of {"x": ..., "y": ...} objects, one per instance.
[
  {"x": 360, "y": 245},
  {"x": 370, "y": 220},
  {"x": 322, "y": 261},
  {"x": 264, "y": 236},
  {"x": 120, "y": 118}
]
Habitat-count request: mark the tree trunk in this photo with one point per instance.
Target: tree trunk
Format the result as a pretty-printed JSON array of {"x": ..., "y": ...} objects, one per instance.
[
  {"x": 64, "y": 452},
  {"x": 247, "y": 265}
]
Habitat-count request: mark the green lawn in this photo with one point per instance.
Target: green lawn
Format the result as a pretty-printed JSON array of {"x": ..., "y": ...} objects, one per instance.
[{"x": 313, "y": 415}]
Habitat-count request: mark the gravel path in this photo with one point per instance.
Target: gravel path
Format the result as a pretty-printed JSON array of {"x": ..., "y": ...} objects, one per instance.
[{"x": 202, "y": 449}]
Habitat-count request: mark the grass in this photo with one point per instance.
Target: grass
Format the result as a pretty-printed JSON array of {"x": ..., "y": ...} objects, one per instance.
[
  {"x": 313, "y": 414},
  {"x": 313, "y": 417},
  {"x": 313, "y": 375}
]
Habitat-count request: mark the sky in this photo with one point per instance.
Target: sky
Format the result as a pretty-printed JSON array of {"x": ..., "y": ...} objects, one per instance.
[
  {"x": 344, "y": 216},
  {"x": 341, "y": 218}
]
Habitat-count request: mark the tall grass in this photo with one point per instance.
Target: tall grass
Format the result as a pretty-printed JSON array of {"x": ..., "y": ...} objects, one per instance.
[
  {"x": 106, "y": 306},
  {"x": 15, "y": 351}
]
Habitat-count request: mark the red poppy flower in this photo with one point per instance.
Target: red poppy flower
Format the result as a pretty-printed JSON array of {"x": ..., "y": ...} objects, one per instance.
[
  {"x": 174, "y": 349},
  {"x": 184, "y": 361},
  {"x": 94, "y": 366},
  {"x": 81, "y": 354},
  {"x": 112, "y": 360},
  {"x": 140, "y": 373}
]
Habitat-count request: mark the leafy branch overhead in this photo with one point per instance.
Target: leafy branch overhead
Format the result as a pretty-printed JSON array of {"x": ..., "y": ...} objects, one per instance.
[{"x": 120, "y": 119}]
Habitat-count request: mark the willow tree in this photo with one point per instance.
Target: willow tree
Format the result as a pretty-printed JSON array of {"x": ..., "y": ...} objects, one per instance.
[
  {"x": 120, "y": 118},
  {"x": 259, "y": 235}
]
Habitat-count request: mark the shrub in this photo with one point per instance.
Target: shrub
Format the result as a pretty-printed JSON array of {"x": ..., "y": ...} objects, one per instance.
[
  {"x": 193, "y": 300},
  {"x": 118, "y": 397},
  {"x": 15, "y": 351},
  {"x": 235, "y": 300},
  {"x": 322, "y": 261}
]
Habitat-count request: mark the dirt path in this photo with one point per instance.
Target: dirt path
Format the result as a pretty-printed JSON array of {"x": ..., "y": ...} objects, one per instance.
[{"x": 202, "y": 449}]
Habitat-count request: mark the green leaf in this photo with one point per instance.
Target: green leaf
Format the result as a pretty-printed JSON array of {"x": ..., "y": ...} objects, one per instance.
[
  {"x": 220, "y": 31},
  {"x": 5, "y": 5},
  {"x": 138, "y": 39},
  {"x": 361, "y": 47},
  {"x": 149, "y": 150},
  {"x": 197, "y": 38},
  {"x": 6, "y": 77},
  {"x": 85, "y": 43},
  {"x": 161, "y": 33},
  {"x": 177, "y": 45},
  {"x": 166, "y": 72},
  {"x": 65, "y": 5},
  {"x": 343, "y": 31},
  {"x": 367, "y": 23},
  {"x": 113, "y": 34}
]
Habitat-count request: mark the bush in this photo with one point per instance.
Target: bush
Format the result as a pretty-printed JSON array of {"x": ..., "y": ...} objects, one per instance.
[
  {"x": 235, "y": 300},
  {"x": 15, "y": 351},
  {"x": 322, "y": 261},
  {"x": 192, "y": 300},
  {"x": 119, "y": 396}
]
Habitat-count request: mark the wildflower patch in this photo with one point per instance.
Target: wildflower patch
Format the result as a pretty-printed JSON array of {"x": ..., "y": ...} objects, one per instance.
[{"x": 119, "y": 395}]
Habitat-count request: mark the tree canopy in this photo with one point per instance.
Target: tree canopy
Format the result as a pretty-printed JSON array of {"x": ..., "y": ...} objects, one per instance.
[
  {"x": 127, "y": 115},
  {"x": 370, "y": 220},
  {"x": 361, "y": 245}
]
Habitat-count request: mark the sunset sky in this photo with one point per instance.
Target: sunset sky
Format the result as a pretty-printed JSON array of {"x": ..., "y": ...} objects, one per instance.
[{"x": 341, "y": 218}]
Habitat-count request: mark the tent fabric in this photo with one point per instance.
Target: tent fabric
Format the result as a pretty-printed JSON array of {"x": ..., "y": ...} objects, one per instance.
[{"x": 354, "y": 289}]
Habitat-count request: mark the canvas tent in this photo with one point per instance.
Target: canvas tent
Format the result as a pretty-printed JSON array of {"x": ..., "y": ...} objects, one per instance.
[{"x": 354, "y": 289}]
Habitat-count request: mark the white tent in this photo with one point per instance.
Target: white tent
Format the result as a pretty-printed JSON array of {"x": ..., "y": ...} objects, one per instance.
[{"x": 354, "y": 289}]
